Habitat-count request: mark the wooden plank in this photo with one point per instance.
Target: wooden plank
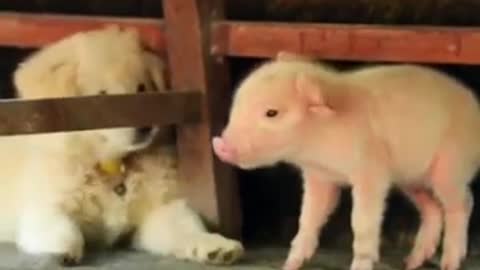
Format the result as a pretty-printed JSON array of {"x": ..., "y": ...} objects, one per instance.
[
  {"x": 350, "y": 42},
  {"x": 210, "y": 185},
  {"x": 26, "y": 30},
  {"x": 93, "y": 112}
]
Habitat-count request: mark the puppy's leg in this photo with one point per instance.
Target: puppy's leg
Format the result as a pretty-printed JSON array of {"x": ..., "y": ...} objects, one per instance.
[
  {"x": 369, "y": 191},
  {"x": 44, "y": 230},
  {"x": 450, "y": 175},
  {"x": 430, "y": 229},
  {"x": 320, "y": 198},
  {"x": 176, "y": 230}
]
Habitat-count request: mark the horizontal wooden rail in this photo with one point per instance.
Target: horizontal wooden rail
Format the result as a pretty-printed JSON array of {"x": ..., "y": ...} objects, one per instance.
[
  {"x": 26, "y": 30},
  {"x": 350, "y": 42},
  {"x": 93, "y": 112},
  {"x": 250, "y": 39}
]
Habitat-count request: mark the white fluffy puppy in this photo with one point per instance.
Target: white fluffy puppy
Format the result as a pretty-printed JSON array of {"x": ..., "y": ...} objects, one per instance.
[{"x": 59, "y": 192}]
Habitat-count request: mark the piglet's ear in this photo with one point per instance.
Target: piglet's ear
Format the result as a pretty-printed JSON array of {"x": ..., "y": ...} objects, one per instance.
[
  {"x": 290, "y": 56},
  {"x": 309, "y": 90}
]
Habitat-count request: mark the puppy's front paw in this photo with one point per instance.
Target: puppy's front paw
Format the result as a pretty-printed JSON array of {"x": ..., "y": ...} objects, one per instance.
[
  {"x": 72, "y": 257},
  {"x": 62, "y": 241},
  {"x": 68, "y": 259},
  {"x": 65, "y": 252},
  {"x": 211, "y": 249}
]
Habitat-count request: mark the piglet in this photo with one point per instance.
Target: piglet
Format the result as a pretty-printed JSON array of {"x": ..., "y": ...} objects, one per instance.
[{"x": 373, "y": 128}]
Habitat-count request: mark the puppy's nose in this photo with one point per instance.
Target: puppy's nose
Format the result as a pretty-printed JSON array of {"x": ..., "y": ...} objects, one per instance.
[{"x": 142, "y": 134}]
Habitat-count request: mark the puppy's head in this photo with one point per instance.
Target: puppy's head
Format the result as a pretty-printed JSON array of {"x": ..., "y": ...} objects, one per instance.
[{"x": 108, "y": 61}]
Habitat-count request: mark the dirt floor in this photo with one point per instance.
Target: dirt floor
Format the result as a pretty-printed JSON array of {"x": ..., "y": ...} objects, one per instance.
[{"x": 256, "y": 259}]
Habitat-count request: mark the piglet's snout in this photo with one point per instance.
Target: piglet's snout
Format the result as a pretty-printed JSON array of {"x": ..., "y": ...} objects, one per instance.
[{"x": 223, "y": 150}]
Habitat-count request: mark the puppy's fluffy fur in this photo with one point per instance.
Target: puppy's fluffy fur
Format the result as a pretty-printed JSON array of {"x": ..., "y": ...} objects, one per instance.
[{"x": 54, "y": 201}]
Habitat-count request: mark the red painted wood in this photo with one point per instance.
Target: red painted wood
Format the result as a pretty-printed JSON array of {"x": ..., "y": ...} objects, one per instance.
[
  {"x": 209, "y": 184},
  {"x": 247, "y": 39},
  {"x": 350, "y": 42},
  {"x": 35, "y": 30}
]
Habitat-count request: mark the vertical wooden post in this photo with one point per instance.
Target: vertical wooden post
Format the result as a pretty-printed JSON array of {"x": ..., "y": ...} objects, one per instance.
[{"x": 210, "y": 185}]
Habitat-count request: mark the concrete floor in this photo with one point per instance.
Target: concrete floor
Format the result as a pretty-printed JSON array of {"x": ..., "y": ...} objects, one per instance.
[{"x": 256, "y": 259}]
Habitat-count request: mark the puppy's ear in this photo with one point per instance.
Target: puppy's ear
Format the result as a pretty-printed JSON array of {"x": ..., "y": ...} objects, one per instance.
[
  {"x": 111, "y": 28},
  {"x": 132, "y": 33},
  {"x": 155, "y": 71},
  {"x": 290, "y": 56},
  {"x": 50, "y": 72}
]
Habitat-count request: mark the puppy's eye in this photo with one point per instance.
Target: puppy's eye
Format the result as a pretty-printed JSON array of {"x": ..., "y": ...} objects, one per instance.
[
  {"x": 141, "y": 88},
  {"x": 271, "y": 113},
  {"x": 102, "y": 92}
]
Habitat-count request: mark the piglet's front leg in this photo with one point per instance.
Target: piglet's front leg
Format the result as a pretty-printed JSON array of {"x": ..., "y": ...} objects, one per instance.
[
  {"x": 368, "y": 193},
  {"x": 320, "y": 198}
]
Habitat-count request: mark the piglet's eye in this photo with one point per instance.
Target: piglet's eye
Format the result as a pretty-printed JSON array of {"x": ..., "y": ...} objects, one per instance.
[{"x": 271, "y": 113}]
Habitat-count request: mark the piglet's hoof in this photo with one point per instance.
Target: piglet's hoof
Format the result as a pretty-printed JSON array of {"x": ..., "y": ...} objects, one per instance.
[
  {"x": 293, "y": 264},
  {"x": 362, "y": 263}
]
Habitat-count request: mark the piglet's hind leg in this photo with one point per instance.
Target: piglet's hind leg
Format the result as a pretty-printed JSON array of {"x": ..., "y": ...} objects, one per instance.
[
  {"x": 450, "y": 175},
  {"x": 430, "y": 229}
]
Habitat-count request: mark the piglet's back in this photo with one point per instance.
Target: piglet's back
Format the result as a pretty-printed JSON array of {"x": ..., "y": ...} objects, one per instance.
[{"x": 417, "y": 110}]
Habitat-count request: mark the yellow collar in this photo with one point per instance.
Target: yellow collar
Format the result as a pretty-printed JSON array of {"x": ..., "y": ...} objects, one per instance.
[
  {"x": 115, "y": 171},
  {"x": 112, "y": 167}
]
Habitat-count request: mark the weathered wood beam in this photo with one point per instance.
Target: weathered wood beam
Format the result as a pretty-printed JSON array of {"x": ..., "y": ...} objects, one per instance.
[
  {"x": 350, "y": 42},
  {"x": 93, "y": 112},
  {"x": 247, "y": 39},
  {"x": 209, "y": 184},
  {"x": 26, "y": 30}
]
